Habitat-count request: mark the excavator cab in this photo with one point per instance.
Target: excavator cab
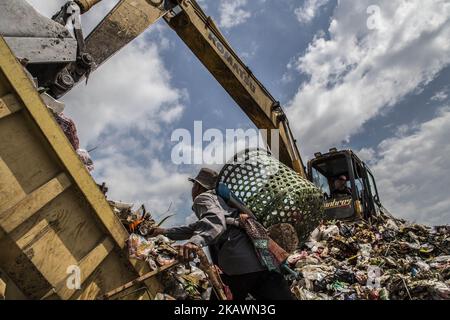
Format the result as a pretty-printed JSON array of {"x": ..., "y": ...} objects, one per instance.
[{"x": 355, "y": 196}]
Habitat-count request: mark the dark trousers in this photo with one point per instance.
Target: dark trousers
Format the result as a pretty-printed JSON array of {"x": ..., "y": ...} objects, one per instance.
[{"x": 262, "y": 285}]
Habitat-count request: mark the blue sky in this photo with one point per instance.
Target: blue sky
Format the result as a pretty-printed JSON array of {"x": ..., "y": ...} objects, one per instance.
[{"x": 376, "y": 82}]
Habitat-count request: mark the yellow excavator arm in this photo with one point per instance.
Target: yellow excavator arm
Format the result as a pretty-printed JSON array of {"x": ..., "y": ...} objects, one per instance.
[{"x": 198, "y": 31}]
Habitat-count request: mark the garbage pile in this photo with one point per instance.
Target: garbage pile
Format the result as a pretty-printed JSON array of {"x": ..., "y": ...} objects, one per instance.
[
  {"x": 138, "y": 221},
  {"x": 69, "y": 128},
  {"x": 185, "y": 282},
  {"x": 157, "y": 252},
  {"x": 386, "y": 259},
  {"x": 181, "y": 282}
]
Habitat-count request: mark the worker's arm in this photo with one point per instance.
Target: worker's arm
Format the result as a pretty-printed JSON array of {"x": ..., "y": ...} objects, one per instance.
[
  {"x": 208, "y": 228},
  {"x": 178, "y": 233}
]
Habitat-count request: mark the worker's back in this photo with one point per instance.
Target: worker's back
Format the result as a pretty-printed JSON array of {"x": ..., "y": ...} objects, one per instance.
[{"x": 233, "y": 252}]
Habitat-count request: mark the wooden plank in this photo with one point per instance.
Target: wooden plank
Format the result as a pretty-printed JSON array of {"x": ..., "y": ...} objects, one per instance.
[
  {"x": 72, "y": 232},
  {"x": 25, "y": 152},
  {"x": 9, "y": 105},
  {"x": 79, "y": 229},
  {"x": 16, "y": 264},
  {"x": 88, "y": 265},
  {"x": 11, "y": 191},
  {"x": 89, "y": 292},
  {"x": 94, "y": 258},
  {"x": 33, "y": 103},
  {"x": 2, "y": 289},
  {"x": 112, "y": 273},
  {"x": 19, "y": 213},
  {"x": 152, "y": 284},
  {"x": 46, "y": 250},
  {"x": 11, "y": 290},
  {"x": 139, "y": 280},
  {"x": 4, "y": 86},
  {"x": 28, "y": 240}
]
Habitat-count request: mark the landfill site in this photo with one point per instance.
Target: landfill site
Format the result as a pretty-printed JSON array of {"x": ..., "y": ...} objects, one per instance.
[{"x": 266, "y": 227}]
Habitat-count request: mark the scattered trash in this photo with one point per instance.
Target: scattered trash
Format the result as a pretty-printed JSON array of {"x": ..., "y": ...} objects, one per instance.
[
  {"x": 139, "y": 221},
  {"x": 163, "y": 296},
  {"x": 385, "y": 259},
  {"x": 54, "y": 105},
  {"x": 86, "y": 159},
  {"x": 181, "y": 282},
  {"x": 186, "y": 283},
  {"x": 156, "y": 251},
  {"x": 69, "y": 128}
]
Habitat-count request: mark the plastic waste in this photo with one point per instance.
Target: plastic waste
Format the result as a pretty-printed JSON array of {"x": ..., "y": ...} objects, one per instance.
[
  {"x": 86, "y": 159},
  {"x": 386, "y": 259}
]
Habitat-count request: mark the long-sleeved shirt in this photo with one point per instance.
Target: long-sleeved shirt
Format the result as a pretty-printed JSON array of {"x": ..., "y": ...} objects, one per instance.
[{"x": 231, "y": 249}]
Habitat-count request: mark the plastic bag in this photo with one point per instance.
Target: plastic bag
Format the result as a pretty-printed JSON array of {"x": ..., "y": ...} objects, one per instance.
[
  {"x": 139, "y": 248},
  {"x": 86, "y": 159}
]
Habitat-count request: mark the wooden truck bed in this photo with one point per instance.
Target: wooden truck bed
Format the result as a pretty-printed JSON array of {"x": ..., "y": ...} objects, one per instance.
[{"x": 54, "y": 220}]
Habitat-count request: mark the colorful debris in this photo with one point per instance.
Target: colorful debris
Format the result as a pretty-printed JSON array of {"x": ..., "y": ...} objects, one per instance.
[{"x": 385, "y": 259}]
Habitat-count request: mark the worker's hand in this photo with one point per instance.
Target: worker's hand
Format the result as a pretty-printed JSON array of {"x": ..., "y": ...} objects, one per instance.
[
  {"x": 187, "y": 252},
  {"x": 156, "y": 232},
  {"x": 242, "y": 218}
]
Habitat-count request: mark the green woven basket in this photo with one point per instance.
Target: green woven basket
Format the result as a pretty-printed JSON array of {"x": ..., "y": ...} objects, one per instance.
[{"x": 275, "y": 193}]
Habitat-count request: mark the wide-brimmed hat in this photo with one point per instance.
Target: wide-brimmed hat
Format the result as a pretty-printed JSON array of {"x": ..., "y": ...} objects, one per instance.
[{"x": 207, "y": 178}]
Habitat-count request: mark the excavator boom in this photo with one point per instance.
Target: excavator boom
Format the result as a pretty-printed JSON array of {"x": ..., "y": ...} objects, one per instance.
[
  {"x": 201, "y": 35},
  {"x": 129, "y": 18},
  {"x": 126, "y": 21}
]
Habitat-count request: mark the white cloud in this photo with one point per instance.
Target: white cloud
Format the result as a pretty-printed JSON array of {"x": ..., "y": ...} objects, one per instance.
[
  {"x": 233, "y": 13},
  {"x": 47, "y": 8},
  {"x": 132, "y": 89},
  {"x": 411, "y": 172},
  {"x": 203, "y": 4},
  {"x": 134, "y": 173},
  {"x": 252, "y": 51},
  {"x": 440, "y": 96},
  {"x": 309, "y": 10},
  {"x": 367, "y": 155},
  {"x": 356, "y": 73},
  {"x": 213, "y": 148}
]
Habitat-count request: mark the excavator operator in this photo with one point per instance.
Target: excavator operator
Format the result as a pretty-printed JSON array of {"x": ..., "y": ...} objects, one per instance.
[{"x": 340, "y": 187}]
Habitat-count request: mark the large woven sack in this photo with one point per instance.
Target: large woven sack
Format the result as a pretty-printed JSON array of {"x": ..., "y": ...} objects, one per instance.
[{"x": 274, "y": 192}]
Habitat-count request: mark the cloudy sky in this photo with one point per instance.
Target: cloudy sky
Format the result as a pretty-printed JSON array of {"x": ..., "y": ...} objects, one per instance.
[{"x": 370, "y": 75}]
